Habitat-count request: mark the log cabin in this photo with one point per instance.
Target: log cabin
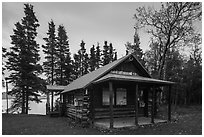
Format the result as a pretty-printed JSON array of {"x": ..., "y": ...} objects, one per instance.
[{"x": 122, "y": 88}]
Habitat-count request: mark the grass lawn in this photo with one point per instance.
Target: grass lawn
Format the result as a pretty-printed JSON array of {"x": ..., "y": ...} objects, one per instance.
[{"x": 186, "y": 121}]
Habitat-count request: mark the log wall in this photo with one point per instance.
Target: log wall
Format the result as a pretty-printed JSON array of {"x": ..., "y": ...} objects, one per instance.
[
  {"x": 78, "y": 111},
  {"x": 117, "y": 112}
]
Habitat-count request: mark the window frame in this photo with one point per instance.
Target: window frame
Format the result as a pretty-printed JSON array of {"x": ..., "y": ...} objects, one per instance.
[
  {"x": 107, "y": 91},
  {"x": 115, "y": 98},
  {"x": 124, "y": 90}
]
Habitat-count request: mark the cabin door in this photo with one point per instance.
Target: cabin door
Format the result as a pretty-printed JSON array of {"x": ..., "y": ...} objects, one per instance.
[{"x": 141, "y": 102}]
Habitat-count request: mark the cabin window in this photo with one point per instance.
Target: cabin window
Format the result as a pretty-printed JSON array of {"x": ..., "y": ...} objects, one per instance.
[
  {"x": 121, "y": 96},
  {"x": 78, "y": 100},
  {"x": 106, "y": 99},
  {"x": 70, "y": 99}
]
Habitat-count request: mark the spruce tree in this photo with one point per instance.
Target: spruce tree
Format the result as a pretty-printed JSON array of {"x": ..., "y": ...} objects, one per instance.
[
  {"x": 105, "y": 54},
  {"x": 81, "y": 56},
  {"x": 115, "y": 56},
  {"x": 51, "y": 56},
  {"x": 135, "y": 47},
  {"x": 68, "y": 69},
  {"x": 92, "y": 60},
  {"x": 86, "y": 64},
  {"x": 98, "y": 56},
  {"x": 23, "y": 61},
  {"x": 76, "y": 64},
  {"x": 14, "y": 63},
  {"x": 81, "y": 60},
  {"x": 50, "y": 50},
  {"x": 111, "y": 52},
  {"x": 64, "y": 59},
  {"x": 4, "y": 51}
]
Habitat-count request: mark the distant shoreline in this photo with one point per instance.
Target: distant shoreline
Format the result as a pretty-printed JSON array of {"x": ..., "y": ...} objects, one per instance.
[{"x": 10, "y": 97}]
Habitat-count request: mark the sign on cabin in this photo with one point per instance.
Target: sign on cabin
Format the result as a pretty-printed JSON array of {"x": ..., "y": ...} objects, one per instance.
[{"x": 124, "y": 73}]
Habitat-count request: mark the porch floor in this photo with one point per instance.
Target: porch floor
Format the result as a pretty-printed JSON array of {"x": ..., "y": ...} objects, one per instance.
[{"x": 126, "y": 122}]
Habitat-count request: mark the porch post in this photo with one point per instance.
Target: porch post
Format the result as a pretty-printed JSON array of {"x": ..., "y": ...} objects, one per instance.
[
  {"x": 48, "y": 103},
  {"x": 169, "y": 103},
  {"x": 111, "y": 103},
  {"x": 153, "y": 103},
  {"x": 61, "y": 99},
  {"x": 146, "y": 102},
  {"x": 136, "y": 105},
  {"x": 52, "y": 101}
]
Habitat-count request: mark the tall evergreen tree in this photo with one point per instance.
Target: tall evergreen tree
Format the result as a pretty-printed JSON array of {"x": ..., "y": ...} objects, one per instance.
[
  {"x": 81, "y": 61},
  {"x": 76, "y": 64},
  {"x": 108, "y": 53},
  {"x": 23, "y": 61},
  {"x": 4, "y": 51},
  {"x": 105, "y": 54},
  {"x": 63, "y": 53},
  {"x": 51, "y": 55},
  {"x": 115, "y": 56},
  {"x": 68, "y": 69},
  {"x": 98, "y": 56},
  {"x": 111, "y": 52},
  {"x": 92, "y": 60},
  {"x": 14, "y": 63},
  {"x": 135, "y": 47},
  {"x": 85, "y": 64}
]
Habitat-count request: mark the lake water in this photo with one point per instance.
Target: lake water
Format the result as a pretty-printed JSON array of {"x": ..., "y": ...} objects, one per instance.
[{"x": 36, "y": 108}]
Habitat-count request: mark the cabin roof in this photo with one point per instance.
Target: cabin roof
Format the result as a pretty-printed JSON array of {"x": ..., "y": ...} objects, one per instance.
[
  {"x": 85, "y": 80},
  {"x": 134, "y": 78}
]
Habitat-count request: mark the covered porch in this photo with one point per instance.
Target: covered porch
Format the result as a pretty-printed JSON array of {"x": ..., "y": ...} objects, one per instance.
[
  {"x": 131, "y": 112},
  {"x": 126, "y": 122}
]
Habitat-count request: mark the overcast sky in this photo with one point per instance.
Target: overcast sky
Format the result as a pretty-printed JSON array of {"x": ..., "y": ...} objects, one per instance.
[{"x": 91, "y": 22}]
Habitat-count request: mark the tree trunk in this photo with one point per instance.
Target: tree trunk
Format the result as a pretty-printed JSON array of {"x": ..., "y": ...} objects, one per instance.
[
  {"x": 61, "y": 74},
  {"x": 23, "y": 101},
  {"x": 52, "y": 73},
  {"x": 163, "y": 57},
  {"x": 27, "y": 99}
]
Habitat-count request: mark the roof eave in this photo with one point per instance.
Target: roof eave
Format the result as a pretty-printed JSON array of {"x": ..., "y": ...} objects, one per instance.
[
  {"x": 139, "y": 81},
  {"x": 105, "y": 72}
]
